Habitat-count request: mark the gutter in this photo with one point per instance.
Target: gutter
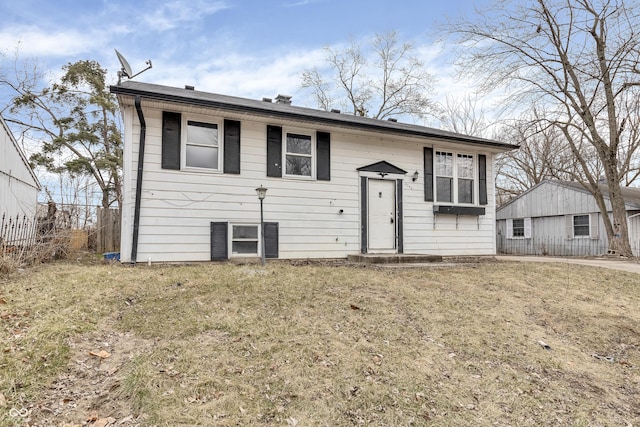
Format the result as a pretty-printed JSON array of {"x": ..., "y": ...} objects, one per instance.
[
  {"x": 136, "y": 207},
  {"x": 290, "y": 113}
]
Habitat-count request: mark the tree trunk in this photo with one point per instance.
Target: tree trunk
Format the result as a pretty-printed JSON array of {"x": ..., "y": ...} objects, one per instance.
[{"x": 619, "y": 238}]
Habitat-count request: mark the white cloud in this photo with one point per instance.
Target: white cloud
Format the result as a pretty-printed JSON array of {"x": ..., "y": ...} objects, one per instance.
[
  {"x": 178, "y": 12},
  {"x": 32, "y": 41},
  {"x": 246, "y": 75}
]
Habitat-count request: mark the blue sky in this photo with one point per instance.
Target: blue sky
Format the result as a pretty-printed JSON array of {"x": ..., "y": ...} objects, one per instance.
[{"x": 237, "y": 47}]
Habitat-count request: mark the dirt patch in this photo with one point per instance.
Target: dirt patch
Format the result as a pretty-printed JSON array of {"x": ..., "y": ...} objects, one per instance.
[{"x": 89, "y": 392}]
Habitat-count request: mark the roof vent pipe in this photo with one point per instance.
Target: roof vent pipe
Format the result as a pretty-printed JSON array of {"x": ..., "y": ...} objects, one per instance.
[
  {"x": 189, "y": 87},
  {"x": 265, "y": 99}
]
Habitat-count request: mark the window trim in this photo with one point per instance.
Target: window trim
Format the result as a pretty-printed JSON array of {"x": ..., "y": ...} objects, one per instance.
[
  {"x": 207, "y": 120},
  {"x": 231, "y": 240},
  {"x": 527, "y": 228},
  {"x": 455, "y": 178},
  {"x": 313, "y": 156},
  {"x": 588, "y": 226},
  {"x": 594, "y": 225},
  {"x": 519, "y": 228}
]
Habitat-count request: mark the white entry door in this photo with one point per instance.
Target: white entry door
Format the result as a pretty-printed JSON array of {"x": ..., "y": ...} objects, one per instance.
[{"x": 382, "y": 215}]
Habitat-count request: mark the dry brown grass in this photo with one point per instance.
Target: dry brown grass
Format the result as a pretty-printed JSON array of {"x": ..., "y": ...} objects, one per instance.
[{"x": 319, "y": 345}]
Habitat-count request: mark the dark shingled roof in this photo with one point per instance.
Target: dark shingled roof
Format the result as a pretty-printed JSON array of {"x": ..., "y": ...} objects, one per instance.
[
  {"x": 244, "y": 105},
  {"x": 631, "y": 195}
]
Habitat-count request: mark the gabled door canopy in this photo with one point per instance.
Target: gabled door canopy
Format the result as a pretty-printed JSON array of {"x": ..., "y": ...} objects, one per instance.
[{"x": 383, "y": 168}]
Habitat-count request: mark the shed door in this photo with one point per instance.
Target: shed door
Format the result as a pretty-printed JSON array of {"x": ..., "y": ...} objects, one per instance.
[{"x": 382, "y": 215}]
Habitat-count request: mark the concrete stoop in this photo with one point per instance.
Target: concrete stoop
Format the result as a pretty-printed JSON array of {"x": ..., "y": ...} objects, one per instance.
[{"x": 394, "y": 258}]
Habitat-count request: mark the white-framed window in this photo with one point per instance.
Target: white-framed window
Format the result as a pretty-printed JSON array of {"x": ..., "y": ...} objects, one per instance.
[
  {"x": 202, "y": 144},
  {"x": 455, "y": 177},
  {"x": 582, "y": 226},
  {"x": 244, "y": 239},
  {"x": 465, "y": 178},
  {"x": 519, "y": 228},
  {"x": 299, "y": 154}
]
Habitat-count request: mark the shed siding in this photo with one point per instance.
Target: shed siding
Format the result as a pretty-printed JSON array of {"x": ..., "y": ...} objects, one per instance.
[
  {"x": 551, "y": 205},
  {"x": 18, "y": 189},
  {"x": 549, "y": 199},
  {"x": 178, "y": 207}
]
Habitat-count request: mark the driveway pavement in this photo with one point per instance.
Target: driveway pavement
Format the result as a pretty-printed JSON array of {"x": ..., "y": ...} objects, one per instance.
[{"x": 631, "y": 266}]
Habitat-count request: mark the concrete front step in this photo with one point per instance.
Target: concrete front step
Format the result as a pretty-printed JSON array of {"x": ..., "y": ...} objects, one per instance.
[{"x": 394, "y": 258}]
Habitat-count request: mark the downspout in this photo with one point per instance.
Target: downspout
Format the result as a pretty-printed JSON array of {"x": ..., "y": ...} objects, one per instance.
[{"x": 136, "y": 207}]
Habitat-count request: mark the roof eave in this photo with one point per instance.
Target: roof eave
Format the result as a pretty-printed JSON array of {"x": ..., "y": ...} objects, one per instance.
[{"x": 271, "y": 112}]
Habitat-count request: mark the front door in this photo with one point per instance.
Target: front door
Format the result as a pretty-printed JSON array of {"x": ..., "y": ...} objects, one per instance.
[{"x": 382, "y": 216}]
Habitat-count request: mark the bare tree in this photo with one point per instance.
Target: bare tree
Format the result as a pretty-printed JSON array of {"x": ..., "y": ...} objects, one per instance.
[
  {"x": 579, "y": 59},
  {"x": 383, "y": 81},
  {"x": 463, "y": 116},
  {"x": 543, "y": 154},
  {"x": 75, "y": 121}
]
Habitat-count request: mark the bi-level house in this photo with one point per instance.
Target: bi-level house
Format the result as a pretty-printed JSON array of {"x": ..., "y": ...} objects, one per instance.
[{"x": 336, "y": 184}]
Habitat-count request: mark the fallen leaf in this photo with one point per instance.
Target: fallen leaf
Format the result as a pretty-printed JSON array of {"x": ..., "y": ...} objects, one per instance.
[
  {"x": 101, "y": 354},
  {"x": 2, "y": 301},
  {"x": 354, "y": 307}
]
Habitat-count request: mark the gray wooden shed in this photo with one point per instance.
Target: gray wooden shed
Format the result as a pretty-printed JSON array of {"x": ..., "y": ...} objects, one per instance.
[{"x": 561, "y": 218}]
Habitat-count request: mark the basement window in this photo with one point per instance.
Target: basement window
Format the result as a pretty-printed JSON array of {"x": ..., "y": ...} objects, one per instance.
[{"x": 244, "y": 240}]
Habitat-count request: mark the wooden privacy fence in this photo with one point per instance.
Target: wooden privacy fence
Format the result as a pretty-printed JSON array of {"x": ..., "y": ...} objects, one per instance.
[{"x": 107, "y": 230}]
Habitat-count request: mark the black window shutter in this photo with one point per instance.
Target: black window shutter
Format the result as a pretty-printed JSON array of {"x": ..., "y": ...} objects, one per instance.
[
  {"x": 271, "y": 240},
  {"x": 364, "y": 209},
  {"x": 219, "y": 241},
  {"x": 400, "y": 217},
  {"x": 274, "y": 151},
  {"x": 171, "y": 123},
  {"x": 323, "y": 151},
  {"x": 231, "y": 146},
  {"x": 482, "y": 179},
  {"x": 428, "y": 174}
]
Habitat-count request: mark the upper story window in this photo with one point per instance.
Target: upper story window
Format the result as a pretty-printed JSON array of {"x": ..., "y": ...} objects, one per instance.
[
  {"x": 298, "y": 155},
  {"x": 202, "y": 145},
  {"x": 455, "y": 180},
  {"x": 465, "y": 178},
  {"x": 195, "y": 143}
]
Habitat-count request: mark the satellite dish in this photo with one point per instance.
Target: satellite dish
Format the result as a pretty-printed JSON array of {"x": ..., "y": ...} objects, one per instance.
[{"x": 126, "y": 71}]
